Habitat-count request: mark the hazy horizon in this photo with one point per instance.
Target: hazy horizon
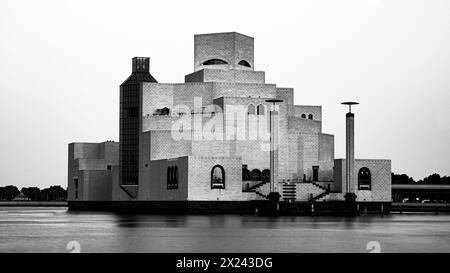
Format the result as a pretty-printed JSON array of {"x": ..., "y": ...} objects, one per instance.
[{"x": 62, "y": 63}]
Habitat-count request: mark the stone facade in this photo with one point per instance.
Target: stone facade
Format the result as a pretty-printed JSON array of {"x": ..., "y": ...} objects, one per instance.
[
  {"x": 380, "y": 171},
  {"x": 240, "y": 92},
  {"x": 220, "y": 117},
  {"x": 230, "y": 47},
  {"x": 90, "y": 170}
]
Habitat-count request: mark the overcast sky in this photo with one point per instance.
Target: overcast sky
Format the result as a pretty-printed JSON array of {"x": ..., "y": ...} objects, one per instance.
[{"x": 61, "y": 64}]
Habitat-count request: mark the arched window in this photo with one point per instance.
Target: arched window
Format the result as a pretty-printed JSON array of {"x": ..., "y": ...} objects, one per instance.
[
  {"x": 364, "y": 179},
  {"x": 245, "y": 173},
  {"x": 244, "y": 63},
  {"x": 172, "y": 178},
  {"x": 303, "y": 116},
  {"x": 217, "y": 177},
  {"x": 310, "y": 116},
  {"x": 265, "y": 175},
  {"x": 255, "y": 175},
  {"x": 214, "y": 62},
  {"x": 260, "y": 110},
  {"x": 251, "y": 109}
]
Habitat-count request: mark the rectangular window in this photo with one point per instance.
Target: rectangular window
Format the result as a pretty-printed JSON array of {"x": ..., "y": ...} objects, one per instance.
[
  {"x": 109, "y": 167},
  {"x": 75, "y": 180},
  {"x": 315, "y": 173}
]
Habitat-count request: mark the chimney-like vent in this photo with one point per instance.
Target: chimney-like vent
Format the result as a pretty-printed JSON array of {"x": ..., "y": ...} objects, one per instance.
[{"x": 141, "y": 64}]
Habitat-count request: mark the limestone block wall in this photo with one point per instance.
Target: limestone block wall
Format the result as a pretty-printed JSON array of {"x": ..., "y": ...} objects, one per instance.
[
  {"x": 333, "y": 196},
  {"x": 304, "y": 191},
  {"x": 244, "y": 50},
  {"x": 325, "y": 171},
  {"x": 381, "y": 180},
  {"x": 109, "y": 151},
  {"x": 256, "y": 153},
  {"x": 326, "y": 147},
  {"x": 283, "y": 143},
  {"x": 196, "y": 76},
  {"x": 153, "y": 182},
  {"x": 84, "y": 150},
  {"x": 162, "y": 145},
  {"x": 380, "y": 170},
  {"x": 255, "y": 127},
  {"x": 200, "y": 179},
  {"x": 326, "y": 157},
  {"x": 252, "y": 154},
  {"x": 186, "y": 92},
  {"x": 89, "y": 162},
  {"x": 220, "y": 75},
  {"x": 316, "y": 111},
  {"x": 254, "y": 90},
  {"x": 287, "y": 95},
  {"x": 76, "y": 174},
  {"x": 308, "y": 150},
  {"x": 72, "y": 170},
  {"x": 166, "y": 123},
  {"x": 230, "y": 47},
  {"x": 339, "y": 174},
  {"x": 295, "y": 157},
  {"x": 158, "y": 123},
  {"x": 160, "y": 95},
  {"x": 212, "y": 148},
  {"x": 304, "y": 125},
  {"x": 157, "y": 147},
  {"x": 262, "y": 190},
  {"x": 156, "y": 96},
  {"x": 97, "y": 185}
]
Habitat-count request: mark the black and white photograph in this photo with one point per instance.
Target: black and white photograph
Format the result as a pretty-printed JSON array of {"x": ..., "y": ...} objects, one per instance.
[{"x": 234, "y": 127}]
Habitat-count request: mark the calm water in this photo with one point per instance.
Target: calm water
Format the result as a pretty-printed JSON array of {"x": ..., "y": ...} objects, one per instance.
[{"x": 50, "y": 230}]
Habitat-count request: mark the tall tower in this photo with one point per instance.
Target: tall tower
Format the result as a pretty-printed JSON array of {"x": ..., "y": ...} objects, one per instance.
[
  {"x": 350, "y": 196},
  {"x": 350, "y": 150},
  {"x": 130, "y": 122}
]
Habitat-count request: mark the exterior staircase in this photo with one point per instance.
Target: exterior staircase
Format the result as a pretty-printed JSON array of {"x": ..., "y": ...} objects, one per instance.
[
  {"x": 322, "y": 195},
  {"x": 289, "y": 192},
  {"x": 332, "y": 196},
  {"x": 294, "y": 191},
  {"x": 303, "y": 191},
  {"x": 262, "y": 189},
  {"x": 253, "y": 188}
]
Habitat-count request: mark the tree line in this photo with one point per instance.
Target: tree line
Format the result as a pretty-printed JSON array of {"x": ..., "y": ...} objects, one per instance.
[
  {"x": 53, "y": 193},
  {"x": 431, "y": 179}
]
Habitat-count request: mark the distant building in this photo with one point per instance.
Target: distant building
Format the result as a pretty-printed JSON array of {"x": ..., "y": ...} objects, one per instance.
[
  {"x": 20, "y": 197},
  {"x": 207, "y": 139}
]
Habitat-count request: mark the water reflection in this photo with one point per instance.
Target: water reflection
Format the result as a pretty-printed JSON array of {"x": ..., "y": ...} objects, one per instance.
[
  {"x": 217, "y": 221},
  {"x": 52, "y": 228},
  {"x": 138, "y": 221}
]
